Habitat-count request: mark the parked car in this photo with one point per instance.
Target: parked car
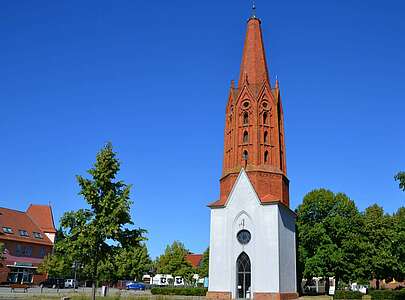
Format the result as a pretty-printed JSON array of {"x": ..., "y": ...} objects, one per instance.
[
  {"x": 70, "y": 283},
  {"x": 136, "y": 286},
  {"x": 54, "y": 283}
]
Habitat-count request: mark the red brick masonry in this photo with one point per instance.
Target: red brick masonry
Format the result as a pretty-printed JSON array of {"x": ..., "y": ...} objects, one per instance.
[
  {"x": 254, "y": 127},
  {"x": 275, "y": 296},
  {"x": 219, "y": 295}
]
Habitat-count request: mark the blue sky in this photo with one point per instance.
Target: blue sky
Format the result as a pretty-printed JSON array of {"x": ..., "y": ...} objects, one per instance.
[{"x": 153, "y": 77}]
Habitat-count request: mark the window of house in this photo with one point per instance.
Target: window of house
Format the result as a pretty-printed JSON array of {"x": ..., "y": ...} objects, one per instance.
[
  {"x": 18, "y": 250},
  {"x": 37, "y": 235},
  {"x": 27, "y": 251},
  {"x": 245, "y": 137},
  {"x": 245, "y": 118},
  {"x": 23, "y": 232},
  {"x": 42, "y": 252},
  {"x": 7, "y": 230}
]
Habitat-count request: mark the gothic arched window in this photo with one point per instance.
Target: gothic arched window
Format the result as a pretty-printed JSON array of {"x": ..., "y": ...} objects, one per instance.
[
  {"x": 244, "y": 276},
  {"x": 266, "y": 156},
  {"x": 245, "y": 137},
  {"x": 266, "y": 137},
  {"x": 245, "y": 118},
  {"x": 245, "y": 155},
  {"x": 265, "y": 118}
]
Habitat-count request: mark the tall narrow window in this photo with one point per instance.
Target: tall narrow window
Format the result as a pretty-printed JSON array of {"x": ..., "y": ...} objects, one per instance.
[
  {"x": 245, "y": 137},
  {"x": 266, "y": 137},
  {"x": 42, "y": 252},
  {"x": 265, "y": 118},
  {"x": 266, "y": 156},
  {"x": 245, "y": 118},
  {"x": 245, "y": 155}
]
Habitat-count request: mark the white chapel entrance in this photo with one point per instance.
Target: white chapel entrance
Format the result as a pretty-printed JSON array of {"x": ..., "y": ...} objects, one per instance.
[{"x": 243, "y": 277}]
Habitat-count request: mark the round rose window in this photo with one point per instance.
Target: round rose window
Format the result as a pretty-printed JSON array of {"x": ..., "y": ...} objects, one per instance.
[{"x": 243, "y": 236}]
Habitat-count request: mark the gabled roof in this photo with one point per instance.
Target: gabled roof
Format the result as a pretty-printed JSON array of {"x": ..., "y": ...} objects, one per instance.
[
  {"x": 224, "y": 201},
  {"x": 42, "y": 216},
  {"x": 268, "y": 199},
  {"x": 194, "y": 259},
  {"x": 18, "y": 220}
]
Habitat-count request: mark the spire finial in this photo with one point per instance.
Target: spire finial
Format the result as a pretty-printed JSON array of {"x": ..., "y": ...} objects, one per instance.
[{"x": 253, "y": 10}]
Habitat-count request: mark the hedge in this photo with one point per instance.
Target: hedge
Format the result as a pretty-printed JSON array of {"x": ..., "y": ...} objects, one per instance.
[
  {"x": 387, "y": 294},
  {"x": 180, "y": 291},
  {"x": 347, "y": 295}
]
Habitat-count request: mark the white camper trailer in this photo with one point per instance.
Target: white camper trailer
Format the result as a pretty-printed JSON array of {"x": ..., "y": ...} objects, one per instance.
[
  {"x": 178, "y": 281},
  {"x": 162, "y": 279}
]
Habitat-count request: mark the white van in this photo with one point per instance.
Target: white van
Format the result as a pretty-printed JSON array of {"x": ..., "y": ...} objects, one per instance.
[{"x": 70, "y": 283}]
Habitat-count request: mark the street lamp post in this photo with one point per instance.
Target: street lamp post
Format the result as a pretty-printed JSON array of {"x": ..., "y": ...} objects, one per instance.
[{"x": 74, "y": 281}]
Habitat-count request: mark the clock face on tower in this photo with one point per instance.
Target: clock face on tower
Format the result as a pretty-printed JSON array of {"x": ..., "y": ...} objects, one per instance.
[{"x": 243, "y": 236}]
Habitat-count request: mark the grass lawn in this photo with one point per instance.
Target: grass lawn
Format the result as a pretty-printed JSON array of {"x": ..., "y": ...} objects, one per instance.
[{"x": 316, "y": 297}]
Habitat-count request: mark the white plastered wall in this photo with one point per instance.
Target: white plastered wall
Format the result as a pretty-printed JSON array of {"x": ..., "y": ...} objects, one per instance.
[{"x": 244, "y": 210}]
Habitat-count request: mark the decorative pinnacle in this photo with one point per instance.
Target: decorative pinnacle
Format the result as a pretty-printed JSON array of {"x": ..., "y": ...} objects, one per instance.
[{"x": 253, "y": 16}]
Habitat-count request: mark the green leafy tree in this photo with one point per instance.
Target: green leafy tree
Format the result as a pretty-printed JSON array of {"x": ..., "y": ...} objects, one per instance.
[
  {"x": 401, "y": 178},
  {"x": 328, "y": 236},
  {"x": 55, "y": 266},
  {"x": 107, "y": 269},
  {"x": 204, "y": 264},
  {"x": 399, "y": 243},
  {"x": 379, "y": 261},
  {"x": 174, "y": 262},
  {"x": 133, "y": 262},
  {"x": 92, "y": 235},
  {"x": 2, "y": 250}
]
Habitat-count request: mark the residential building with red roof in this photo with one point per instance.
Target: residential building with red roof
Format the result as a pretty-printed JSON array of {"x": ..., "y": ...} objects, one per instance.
[
  {"x": 28, "y": 237},
  {"x": 194, "y": 259}
]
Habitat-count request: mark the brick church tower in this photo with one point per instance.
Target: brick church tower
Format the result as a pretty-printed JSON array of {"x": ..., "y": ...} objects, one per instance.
[
  {"x": 254, "y": 130},
  {"x": 252, "y": 234}
]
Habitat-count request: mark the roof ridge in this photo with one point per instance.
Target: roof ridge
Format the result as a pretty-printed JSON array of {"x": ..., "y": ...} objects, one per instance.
[
  {"x": 16, "y": 210},
  {"x": 39, "y": 225}
]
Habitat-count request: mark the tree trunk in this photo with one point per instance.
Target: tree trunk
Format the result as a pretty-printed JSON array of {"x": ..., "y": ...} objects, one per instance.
[
  {"x": 377, "y": 284},
  {"x": 95, "y": 275},
  {"x": 327, "y": 285},
  {"x": 336, "y": 283},
  {"x": 93, "y": 290}
]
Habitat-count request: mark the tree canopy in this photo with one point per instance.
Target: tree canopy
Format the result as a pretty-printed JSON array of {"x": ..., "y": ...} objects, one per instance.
[
  {"x": 335, "y": 239},
  {"x": 92, "y": 235},
  {"x": 204, "y": 264},
  {"x": 174, "y": 262},
  {"x": 400, "y": 177},
  {"x": 133, "y": 262},
  {"x": 2, "y": 249},
  {"x": 328, "y": 234},
  {"x": 378, "y": 259}
]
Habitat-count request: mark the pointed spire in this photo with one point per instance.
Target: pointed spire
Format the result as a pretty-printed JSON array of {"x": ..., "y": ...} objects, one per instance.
[{"x": 254, "y": 65}]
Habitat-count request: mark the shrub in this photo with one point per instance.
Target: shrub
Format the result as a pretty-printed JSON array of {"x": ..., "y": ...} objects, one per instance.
[
  {"x": 387, "y": 295},
  {"x": 180, "y": 291},
  {"x": 347, "y": 295}
]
